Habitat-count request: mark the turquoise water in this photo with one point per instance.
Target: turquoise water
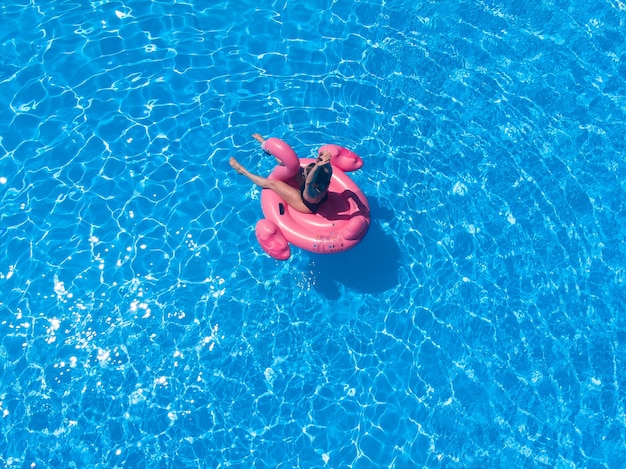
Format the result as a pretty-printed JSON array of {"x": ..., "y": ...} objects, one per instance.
[{"x": 479, "y": 324}]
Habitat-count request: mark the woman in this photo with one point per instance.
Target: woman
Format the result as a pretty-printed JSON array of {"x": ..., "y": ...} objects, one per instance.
[{"x": 313, "y": 180}]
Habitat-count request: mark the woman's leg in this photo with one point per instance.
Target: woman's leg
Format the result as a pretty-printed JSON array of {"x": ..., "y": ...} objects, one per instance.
[{"x": 284, "y": 190}]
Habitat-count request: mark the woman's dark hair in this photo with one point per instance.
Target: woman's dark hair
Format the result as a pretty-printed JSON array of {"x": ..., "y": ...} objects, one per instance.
[{"x": 324, "y": 175}]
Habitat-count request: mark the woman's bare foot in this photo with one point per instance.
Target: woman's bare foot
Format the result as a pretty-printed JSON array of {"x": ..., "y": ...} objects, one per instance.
[
  {"x": 237, "y": 166},
  {"x": 258, "y": 180},
  {"x": 258, "y": 138}
]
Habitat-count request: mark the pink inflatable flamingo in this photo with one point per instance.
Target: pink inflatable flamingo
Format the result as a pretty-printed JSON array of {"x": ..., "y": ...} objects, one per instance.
[{"x": 340, "y": 222}]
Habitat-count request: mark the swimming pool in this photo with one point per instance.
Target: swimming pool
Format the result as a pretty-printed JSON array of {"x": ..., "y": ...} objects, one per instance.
[{"x": 479, "y": 324}]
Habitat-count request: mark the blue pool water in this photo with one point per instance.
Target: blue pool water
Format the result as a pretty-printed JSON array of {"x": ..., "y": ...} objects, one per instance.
[{"x": 479, "y": 324}]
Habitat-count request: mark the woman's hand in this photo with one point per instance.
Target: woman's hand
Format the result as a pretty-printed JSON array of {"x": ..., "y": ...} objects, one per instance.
[{"x": 323, "y": 158}]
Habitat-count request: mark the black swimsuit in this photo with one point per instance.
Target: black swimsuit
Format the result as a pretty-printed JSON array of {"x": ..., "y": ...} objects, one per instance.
[{"x": 310, "y": 205}]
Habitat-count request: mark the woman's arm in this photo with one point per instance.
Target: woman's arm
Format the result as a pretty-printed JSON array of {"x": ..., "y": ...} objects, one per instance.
[{"x": 322, "y": 160}]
